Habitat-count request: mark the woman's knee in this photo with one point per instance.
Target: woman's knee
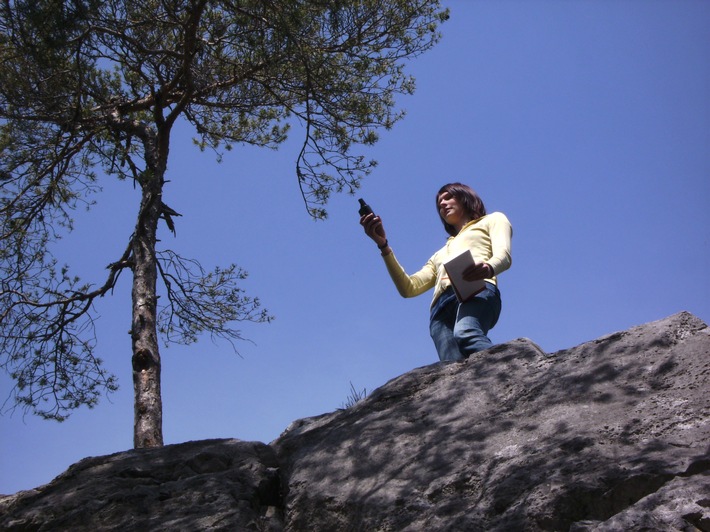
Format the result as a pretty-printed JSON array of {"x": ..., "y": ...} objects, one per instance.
[{"x": 471, "y": 330}]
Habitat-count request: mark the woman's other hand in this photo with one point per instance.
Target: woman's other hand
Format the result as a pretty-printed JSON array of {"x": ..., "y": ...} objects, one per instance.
[{"x": 478, "y": 271}]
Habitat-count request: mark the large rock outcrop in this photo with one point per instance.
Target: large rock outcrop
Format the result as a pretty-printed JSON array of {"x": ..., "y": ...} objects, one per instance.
[{"x": 610, "y": 435}]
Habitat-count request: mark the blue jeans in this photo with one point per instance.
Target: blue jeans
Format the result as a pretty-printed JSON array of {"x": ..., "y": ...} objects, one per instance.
[{"x": 458, "y": 330}]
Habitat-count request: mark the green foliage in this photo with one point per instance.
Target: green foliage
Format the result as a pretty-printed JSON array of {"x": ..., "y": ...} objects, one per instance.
[
  {"x": 200, "y": 301},
  {"x": 91, "y": 89}
]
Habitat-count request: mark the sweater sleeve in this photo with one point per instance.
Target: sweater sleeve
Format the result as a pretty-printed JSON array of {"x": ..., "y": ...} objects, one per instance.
[
  {"x": 501, "y": 234},
  {"x": 410, "y": 285}
]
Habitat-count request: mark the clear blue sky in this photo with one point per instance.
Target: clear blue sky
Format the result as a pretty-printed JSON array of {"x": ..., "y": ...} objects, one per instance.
[{"x": 586, "y": 122}]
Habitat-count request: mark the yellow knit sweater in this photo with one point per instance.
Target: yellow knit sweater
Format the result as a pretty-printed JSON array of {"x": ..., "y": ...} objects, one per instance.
[{"x": 488, "y": 238}]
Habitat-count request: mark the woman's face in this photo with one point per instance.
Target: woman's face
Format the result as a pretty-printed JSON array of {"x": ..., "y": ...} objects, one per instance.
[{"x": 451, "y": 211}]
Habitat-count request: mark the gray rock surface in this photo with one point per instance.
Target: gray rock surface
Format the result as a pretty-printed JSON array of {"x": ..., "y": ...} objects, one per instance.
[
  {"x": 203, "y": 485},
  {"x": 610, "y": 435}
]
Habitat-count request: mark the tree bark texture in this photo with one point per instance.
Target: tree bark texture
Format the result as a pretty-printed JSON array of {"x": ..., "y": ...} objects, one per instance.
[{"x": 148, "y": 407}]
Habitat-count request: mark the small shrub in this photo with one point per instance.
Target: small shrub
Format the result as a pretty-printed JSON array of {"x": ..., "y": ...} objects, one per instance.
[{"x": 354, "y": 397}]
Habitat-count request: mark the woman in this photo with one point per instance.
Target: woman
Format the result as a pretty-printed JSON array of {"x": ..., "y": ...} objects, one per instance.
[{"x": 457, "y": 328}]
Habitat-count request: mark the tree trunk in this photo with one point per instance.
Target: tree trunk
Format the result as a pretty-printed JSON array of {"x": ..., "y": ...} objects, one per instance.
[{"x": 148, "y": 406}]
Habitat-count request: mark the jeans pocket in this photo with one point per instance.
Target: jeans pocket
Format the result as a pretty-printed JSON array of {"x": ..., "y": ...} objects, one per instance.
[
  {"x": 490, "y": 291},
  {"x": 490, "y": 297}
]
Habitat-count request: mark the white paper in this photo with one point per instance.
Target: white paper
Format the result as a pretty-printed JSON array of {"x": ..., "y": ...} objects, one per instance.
[{"x": 454, "y": 268}]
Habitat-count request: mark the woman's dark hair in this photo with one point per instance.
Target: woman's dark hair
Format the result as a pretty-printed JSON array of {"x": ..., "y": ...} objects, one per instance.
[{"x": 467, "y": 197}]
